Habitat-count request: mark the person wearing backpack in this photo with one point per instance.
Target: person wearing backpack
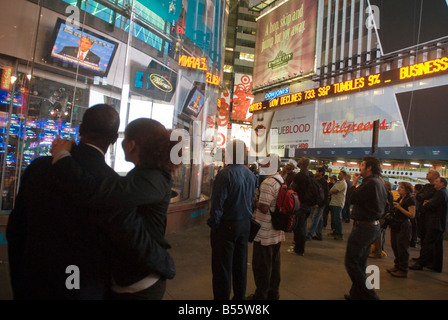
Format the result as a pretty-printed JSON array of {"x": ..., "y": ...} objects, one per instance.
[
  {"x": 301, "y": 184},
  {"x": 266, "y": 247}
]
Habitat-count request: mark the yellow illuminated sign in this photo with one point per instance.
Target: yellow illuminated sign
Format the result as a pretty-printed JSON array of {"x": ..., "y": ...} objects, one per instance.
[
  {"x": 199, "y": 64},
  {"x": 424, "y": 68},
  {"x": 427, "y": 68},
  {"x": 193, "y": 62}
]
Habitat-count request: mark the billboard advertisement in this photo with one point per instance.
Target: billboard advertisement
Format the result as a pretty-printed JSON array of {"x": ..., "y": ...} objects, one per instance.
[
  {"x": 411, "y": 123},
  {"x": 291, "y": 128},
  {"x": 241, "y": 132},
  {"x": 242, "y": 98},
  {"x": 285, "y": 43}
]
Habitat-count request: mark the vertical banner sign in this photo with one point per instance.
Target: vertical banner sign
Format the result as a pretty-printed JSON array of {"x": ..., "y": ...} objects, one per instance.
[
  {"x": 223, "y": 119},
  {"x": 242, "y": 98},
  {"x": 285, "y": 43},
  {"x": 5, "y": 83}
]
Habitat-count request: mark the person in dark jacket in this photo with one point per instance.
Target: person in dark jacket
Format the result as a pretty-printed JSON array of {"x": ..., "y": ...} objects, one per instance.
[
  {"x": 300, "y": 184},
  {"x": 61, "y": 247},
  {"x": 82, "y": 51},
  {"x": 401, "y": 229},
  {"x": 436, "y": 211},
  {"x": 231, "y": 206},
  {"x": 369, "y": 202},
  {"x": 426, "y": 193},
  {"x": 148, "y": 186}
]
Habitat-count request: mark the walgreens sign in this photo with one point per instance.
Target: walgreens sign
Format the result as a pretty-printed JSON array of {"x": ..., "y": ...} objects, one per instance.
[{"x": 345, "y": 127}]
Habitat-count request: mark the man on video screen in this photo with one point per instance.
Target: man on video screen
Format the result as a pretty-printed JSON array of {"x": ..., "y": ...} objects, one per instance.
[{"x": 82, "y": 52}]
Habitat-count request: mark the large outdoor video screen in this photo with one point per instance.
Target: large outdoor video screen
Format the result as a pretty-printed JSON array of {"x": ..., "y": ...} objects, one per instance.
[{"x": 75, "y": 47}]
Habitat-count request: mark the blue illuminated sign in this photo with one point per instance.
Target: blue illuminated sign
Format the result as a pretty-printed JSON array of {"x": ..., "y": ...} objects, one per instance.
[{"x": 276, "y": 93}]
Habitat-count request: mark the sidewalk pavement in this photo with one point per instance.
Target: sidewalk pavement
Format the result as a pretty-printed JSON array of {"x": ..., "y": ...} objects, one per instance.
[{"x": 318, "y": 275}]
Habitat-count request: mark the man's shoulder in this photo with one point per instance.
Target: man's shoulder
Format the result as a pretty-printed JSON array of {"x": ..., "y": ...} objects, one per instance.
[
  {"x": 303, "y": 175},
  {"x": 69, "y": 49},
  {"x": 93, "y": 56},
  {"x": 40, "y": 163},
  {"x": 273, "y": 180},
  {"x": 92, "y": 161}
]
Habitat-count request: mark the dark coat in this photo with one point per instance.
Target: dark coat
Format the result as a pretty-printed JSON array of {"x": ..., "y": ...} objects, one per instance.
[
  {"x": 73, "y": 52},
  {"x": 48, "y": 231},
  {"x": 436, "y": 210}
]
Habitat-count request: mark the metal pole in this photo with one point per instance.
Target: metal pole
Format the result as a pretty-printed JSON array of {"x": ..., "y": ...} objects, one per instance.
[
  {"x": 22, "y": 143},
  {"x": 5, "y": 155}
]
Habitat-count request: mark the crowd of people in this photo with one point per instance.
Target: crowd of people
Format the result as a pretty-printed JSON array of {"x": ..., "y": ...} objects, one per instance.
[
  {"x": 366, "y": 200},
  {"x": 73, "y": 212}
]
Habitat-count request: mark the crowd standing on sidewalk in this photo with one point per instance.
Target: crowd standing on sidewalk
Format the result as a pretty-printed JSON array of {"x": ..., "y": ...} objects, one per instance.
[
  {"x": 136, "y": 264},
  {"x": 369, "y": 200}
]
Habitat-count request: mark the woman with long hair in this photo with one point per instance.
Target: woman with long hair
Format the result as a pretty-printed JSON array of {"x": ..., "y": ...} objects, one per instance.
[{"x": 401, "y": 229}]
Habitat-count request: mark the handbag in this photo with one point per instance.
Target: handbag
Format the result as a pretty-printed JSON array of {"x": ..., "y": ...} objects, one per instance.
[{"x": 254, "y": 227}]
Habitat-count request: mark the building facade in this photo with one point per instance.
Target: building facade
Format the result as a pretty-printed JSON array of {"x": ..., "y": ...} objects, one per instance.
[
  {"x": 328, "y": 73},
  {"x": 143, "y": 60}
]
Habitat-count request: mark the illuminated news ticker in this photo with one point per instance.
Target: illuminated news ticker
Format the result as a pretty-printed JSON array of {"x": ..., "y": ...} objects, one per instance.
[
  {"x": 428, "y": 68},
  {"x": 199, "y": 64}
]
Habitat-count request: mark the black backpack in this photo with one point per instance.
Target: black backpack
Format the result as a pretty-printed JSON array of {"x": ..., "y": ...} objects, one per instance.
[{"x": 314, "y": 194}]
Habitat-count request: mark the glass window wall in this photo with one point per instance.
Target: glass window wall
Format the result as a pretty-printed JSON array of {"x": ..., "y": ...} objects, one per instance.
[{"x": 46, "y": 85}]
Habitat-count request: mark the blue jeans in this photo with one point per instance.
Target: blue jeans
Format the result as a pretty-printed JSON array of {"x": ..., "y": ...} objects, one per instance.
[
  {"x": 316, "y": 222},
  {"x": 358, "y": 249},
  {"x": 336, "y": 219}
]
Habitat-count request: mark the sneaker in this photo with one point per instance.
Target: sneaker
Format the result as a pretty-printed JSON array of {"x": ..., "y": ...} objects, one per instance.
[
  {"x": 399, "y": 274},
  {"x": 291, "y": 250}
]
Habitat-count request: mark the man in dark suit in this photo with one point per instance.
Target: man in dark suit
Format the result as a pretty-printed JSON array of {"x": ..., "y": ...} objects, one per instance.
[
  {"x": 60, "y": 247},
  {"x": 436, "y": 211},
  {"x": 82, "y": 52}
]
